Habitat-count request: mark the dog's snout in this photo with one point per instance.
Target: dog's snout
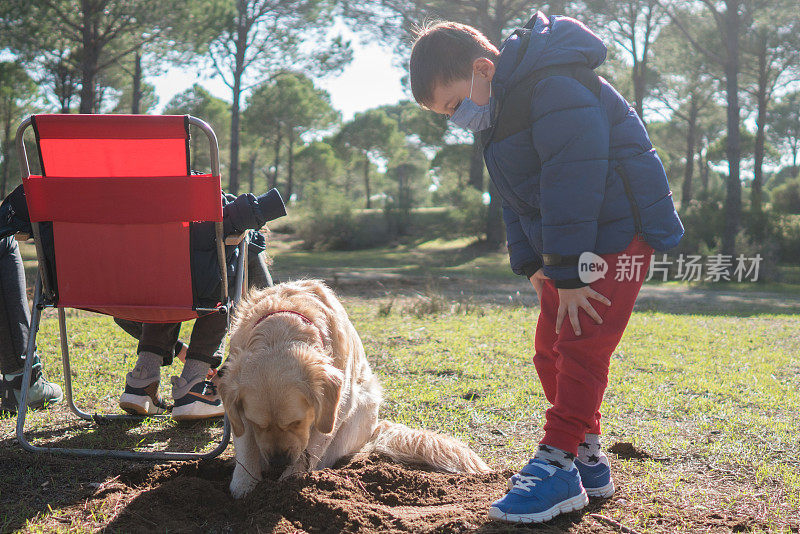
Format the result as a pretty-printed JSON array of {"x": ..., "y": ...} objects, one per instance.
[{"x": 280, "y": 459}]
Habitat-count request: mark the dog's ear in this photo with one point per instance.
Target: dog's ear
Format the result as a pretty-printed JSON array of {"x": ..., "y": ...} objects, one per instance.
[
  {"x": 229, "y": 391},
  {"x": 328, "y": 399}
]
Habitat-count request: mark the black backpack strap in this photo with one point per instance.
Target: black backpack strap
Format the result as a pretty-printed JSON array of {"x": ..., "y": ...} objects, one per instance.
[
  {"x": 529, "y": 25},
  {"x": 514, "y": 111}
]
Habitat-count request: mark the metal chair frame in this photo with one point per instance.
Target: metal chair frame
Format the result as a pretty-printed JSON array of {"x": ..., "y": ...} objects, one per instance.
[{"x": 44, "y": 296}]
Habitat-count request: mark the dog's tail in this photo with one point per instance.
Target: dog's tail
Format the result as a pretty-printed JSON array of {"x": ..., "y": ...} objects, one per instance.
[{"x": 410, "y": 445}]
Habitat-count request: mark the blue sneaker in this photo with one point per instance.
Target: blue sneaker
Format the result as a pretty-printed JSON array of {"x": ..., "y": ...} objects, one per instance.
[
  {"x": 596, "y": 478},
  {"x": 540, "y": 492}
]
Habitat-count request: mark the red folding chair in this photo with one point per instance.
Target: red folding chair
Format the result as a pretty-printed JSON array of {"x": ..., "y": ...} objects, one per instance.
[{"x": 121, "y": 197}]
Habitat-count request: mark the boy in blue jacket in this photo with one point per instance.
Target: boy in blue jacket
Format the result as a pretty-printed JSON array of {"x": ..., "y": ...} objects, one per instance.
[{"x": 577, "y": 174}]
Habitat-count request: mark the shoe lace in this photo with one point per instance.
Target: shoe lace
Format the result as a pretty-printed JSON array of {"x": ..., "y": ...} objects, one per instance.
[
  {"x": 209, "y": 388},
  {"x": 526, "y": 482}
]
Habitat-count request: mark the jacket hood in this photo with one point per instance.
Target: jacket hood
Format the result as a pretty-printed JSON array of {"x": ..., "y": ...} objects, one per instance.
[{"x": 554, "y": 41}]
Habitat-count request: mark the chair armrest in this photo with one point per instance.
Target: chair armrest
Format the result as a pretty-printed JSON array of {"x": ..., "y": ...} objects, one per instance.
[
  {"x": 22, "y": 236},
  {"x": 235, "y": 239}
]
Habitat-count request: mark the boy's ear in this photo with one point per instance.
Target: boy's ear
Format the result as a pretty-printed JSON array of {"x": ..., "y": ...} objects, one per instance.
[{"x": 483, "y": 67}]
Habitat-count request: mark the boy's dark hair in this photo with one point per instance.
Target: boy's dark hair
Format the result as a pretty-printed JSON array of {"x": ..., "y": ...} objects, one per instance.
[{"x": 444, "y": 52}]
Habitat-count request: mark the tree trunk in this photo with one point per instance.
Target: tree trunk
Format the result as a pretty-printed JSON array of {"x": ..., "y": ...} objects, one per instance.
[
  {"x": 233, "y": 171},
  {"x": 762, "y": 99},
  {"x": 495, "y": 231},
  {"x": 238, "y": 71},
  {"x": 290, "y": 170},
  {"x": 733, "y": 198},
  {"x": 65, "y": 102},
  {"x": 366, "y": 181},
  {"x": 253, "y": 158},
  {"x": 6, "y": 152},
  {"x": 90, "y": 57},
  {"x": 703, "y": 164},
  {"x": 64, "y": 86},
  {"x": 688, "y": 171},
  {"x": 348, "y": 177},
  {"x": 638, "y": 79},
  {"x": 476, "y": 163},
  {"x": 277, "y": 161},
  {"x": 136, "y": 95}
]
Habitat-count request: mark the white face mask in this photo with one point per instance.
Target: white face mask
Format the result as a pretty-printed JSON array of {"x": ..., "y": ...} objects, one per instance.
[{"x": 470, "y": 115}]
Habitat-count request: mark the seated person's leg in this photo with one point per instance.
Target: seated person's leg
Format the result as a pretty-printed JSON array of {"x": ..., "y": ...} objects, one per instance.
[
  {"x": 14, "y": 332},
  {"x": 194, "y": 396},
  {"x": 157, "y": 344},
  {"x": 134, "y": 329}
]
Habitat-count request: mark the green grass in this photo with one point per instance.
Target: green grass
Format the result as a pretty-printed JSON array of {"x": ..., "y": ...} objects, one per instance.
[
  {"x": 712, "y": 400},
  {"x": 705, "y": 396}
]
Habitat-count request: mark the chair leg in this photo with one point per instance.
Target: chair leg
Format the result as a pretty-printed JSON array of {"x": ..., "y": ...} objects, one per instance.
[
  {"x": 62, "y": 334},
  {"x": 240, "y": 287},
  {"x": 38, "y": 302},
  {"x": 22, "y": 409}
]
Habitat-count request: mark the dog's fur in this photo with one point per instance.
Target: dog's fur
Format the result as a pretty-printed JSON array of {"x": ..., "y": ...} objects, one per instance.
[{"x": 302, "y": 396}]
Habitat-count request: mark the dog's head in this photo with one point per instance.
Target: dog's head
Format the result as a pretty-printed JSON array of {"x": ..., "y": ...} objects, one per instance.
[{"x": 280, "y": 392}]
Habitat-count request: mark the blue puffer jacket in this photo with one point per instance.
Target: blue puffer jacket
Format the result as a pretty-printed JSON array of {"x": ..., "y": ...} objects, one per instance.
[{"x": 561, "y": 180}]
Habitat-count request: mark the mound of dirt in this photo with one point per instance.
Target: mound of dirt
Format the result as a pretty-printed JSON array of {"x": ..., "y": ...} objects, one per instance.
[
  {"x": 628, "y": 451},
  {"x": 369, "y": 494}
]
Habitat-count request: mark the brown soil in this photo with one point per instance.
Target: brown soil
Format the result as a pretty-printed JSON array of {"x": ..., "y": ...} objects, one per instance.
[
  {"x": 365, "y": 495},
  {"x": 628, "y": 451}
]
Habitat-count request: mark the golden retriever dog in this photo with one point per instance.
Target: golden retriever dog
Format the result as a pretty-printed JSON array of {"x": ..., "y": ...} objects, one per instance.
[{"x": 300, "y": 394}]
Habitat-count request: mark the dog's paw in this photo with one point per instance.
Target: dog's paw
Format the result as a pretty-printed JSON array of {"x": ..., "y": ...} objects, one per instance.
[
  {"x": 292, "y": 471},
  {"x": 242, "y": 486}
]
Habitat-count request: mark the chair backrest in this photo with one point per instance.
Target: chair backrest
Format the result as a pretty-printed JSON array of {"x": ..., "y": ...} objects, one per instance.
[{"x": 121, "y": 197}]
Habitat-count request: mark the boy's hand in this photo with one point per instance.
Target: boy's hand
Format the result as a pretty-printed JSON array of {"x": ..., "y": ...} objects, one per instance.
[
  {"x": 569, "y": 300},
  {"x": 537, "y": 281}
]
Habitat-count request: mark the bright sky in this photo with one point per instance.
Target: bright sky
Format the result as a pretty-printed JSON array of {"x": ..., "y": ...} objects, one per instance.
[{"x": 370, "y": 80}]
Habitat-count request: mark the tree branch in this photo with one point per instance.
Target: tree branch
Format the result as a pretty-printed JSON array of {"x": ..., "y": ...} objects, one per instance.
[
  {"x": 64, "y": 18},
  {"x": 127, "y": 51},
  {"x": 700, "y": 48},
  {"x": 219, "y": 70}
]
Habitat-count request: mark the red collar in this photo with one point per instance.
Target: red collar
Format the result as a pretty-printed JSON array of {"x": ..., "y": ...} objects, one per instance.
[{"x": 303, "y": 317}]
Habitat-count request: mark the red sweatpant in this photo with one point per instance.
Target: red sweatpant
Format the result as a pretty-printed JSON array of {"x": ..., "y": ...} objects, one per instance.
[{"x": 574, "y": 369}]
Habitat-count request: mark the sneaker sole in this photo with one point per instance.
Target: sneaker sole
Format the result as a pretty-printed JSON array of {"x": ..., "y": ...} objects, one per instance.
[
  {"x": 139, "y": 405},
  {"x": 190, "y": 413},
  {"x": 577, "y": 502},
  {"x": 602, "y": 492}
]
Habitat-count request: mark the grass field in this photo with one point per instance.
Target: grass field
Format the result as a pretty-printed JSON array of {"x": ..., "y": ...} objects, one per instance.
[{"x": 701, "y": 411}]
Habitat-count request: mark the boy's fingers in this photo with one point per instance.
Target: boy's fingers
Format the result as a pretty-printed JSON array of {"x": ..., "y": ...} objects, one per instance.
[
  {"x": 560, "y": 318},
  {"x": 597, "y": 296},
  {"x": 592, "y": 312},
  {"x": 573, "y": 318}
]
